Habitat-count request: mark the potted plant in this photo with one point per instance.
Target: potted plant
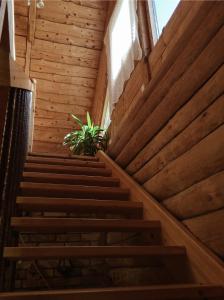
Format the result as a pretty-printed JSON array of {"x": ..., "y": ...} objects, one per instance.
[{"x": 88, "y": 139}]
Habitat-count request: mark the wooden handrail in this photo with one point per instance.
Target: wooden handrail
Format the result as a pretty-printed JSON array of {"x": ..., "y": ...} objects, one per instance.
[{"x": 11, "y": 74}]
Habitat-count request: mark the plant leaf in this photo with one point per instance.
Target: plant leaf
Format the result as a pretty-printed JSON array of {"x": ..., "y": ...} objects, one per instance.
[
  {"x": 77, "y": 120},
  {"x": 89, "y": 122}
]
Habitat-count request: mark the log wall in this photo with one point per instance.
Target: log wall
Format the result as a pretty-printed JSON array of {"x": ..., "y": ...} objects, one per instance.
[
  {"x": 171, "y": 139},
  {"x": 60, "y": 46}
]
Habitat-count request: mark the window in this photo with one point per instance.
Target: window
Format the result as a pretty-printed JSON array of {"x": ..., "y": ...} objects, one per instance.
[
  {"x": 105, "y": 123},
  {"x": 122, "y": 46},
  {"x": 160, "y": 12}
]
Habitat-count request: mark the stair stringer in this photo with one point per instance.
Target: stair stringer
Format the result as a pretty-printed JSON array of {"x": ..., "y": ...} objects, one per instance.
[{"x": 205, "y": 266}]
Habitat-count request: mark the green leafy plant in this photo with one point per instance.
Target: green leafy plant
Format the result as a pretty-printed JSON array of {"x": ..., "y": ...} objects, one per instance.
[{"x": 88, "y": 140}]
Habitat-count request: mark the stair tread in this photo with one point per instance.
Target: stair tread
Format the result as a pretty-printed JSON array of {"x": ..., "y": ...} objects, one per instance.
[
  {"x": 28, "y": 224},
  {"x": 70, "y": 179},
  {"x": 69, "y": 204},
  {"x": 158, "y": 292},
  {"x": 65, "y": 161},
  {"x": 69, "y": 156},
  {"x": 48, "y": 252},
  {"x": 34, "y": 167},
  {"x": 63, "y": 190}
]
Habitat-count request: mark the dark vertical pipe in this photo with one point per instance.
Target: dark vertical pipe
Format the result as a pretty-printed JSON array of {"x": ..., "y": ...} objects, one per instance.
[{"x": 13, "y": 151}]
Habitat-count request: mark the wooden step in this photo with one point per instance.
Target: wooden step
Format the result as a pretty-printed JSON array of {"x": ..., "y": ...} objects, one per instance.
[
  {"x": 79, "y": 191},
  {"x": 53, "y": 252},
  {"x": 44, "y": 168},
  {"x": 64, "y": 161},
  {"x": 70, "y": 179},
  {"x": 79, "y": 205},
  {"x": 69, "y": 156},
  {"x": 33, "y": 224},
  {"x": 158, "y": 292}
]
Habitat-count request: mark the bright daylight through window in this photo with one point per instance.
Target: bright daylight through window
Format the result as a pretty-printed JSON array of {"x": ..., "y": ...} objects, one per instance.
[
  {"x": 123, "y": 47},
  {"x": 160, "y": 12}
]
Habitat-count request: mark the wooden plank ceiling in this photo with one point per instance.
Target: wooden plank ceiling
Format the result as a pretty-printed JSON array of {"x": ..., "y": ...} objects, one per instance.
[{"x": 60, "y": 47}]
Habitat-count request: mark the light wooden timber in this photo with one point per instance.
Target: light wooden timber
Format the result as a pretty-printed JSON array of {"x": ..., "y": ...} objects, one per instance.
[
  {"x": 207, "y": 94},
  {"x": 201, "y": 198},
  {"x": 161, "y": 292},
  {"x": 204, "y": 159},
  {"x": 204, "y": 124}
]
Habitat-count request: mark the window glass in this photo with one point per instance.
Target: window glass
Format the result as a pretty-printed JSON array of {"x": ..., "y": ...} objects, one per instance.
[{"x": 160, "y": 13}]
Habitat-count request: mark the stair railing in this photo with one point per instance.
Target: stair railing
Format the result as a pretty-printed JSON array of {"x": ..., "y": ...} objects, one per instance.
[{"x": 15, "y": 109}]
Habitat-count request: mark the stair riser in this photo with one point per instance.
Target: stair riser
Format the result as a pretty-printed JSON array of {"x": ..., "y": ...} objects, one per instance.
[
  {"x": 65, "y": 162},
  {"x": 88, "y": 182},
  {"x": 132, "y": 293},
  {"x": 103, "y": 206},
  {"x": 74, "y": 194},
  {"x": 73, "y": 171},
  {"x": 32, "y": 224},
  {"x": 134, "y": 214},
  {"x": 61, "y": 156},
  {"x": 152, "y": 252}
]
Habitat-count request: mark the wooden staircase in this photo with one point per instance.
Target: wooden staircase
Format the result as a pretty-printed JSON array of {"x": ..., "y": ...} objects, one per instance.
[{"x": 84, "y": 185}]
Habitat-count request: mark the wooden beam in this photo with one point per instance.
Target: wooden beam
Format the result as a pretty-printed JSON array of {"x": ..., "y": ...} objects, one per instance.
[
  {"x": 2, "y": 15},
  {"x": 205, "y": 266},
  {"x": 144, "y": 28},
  {"x": 204, "y": 124},
  {"x": 207, "y": 94},
  {"x": 11, "y": 24},
  {"x": 200, "y": 162},
  {"x": 30, "y": 35},
  {"x": 161, "y": 292},
  {"x": 18, "y": 78},
  {"x": 32, "y": 21},
  {"x": 200, "y": 199},
  {"x": 209, "y": 229}
]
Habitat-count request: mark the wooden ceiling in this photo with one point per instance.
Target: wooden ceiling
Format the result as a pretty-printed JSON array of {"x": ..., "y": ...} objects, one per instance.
[{"x": 60, "y": 46}]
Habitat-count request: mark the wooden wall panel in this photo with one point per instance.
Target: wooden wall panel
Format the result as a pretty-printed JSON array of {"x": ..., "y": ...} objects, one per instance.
[
  {"x": 60, "y": 47},
  {"x": 199, "y": 199},
  {"x": 209, "y": 229},
  {"x": 170, "y": 138}
]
